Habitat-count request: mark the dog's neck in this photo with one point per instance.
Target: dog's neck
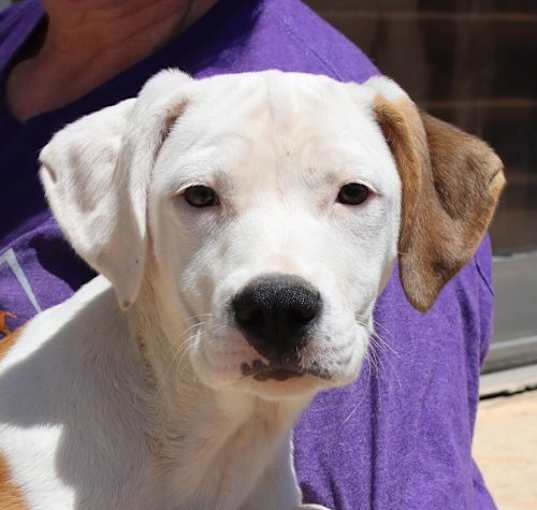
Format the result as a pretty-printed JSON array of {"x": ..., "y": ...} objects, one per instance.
[{"x": 196, "y": 431}]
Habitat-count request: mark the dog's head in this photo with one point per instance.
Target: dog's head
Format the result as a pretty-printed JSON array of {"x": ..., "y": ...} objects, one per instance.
[{"x": 271, "y": 207}]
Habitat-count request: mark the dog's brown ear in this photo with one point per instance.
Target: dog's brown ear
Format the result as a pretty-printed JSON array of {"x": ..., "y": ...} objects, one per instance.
[{"x": 451, "y": 182}]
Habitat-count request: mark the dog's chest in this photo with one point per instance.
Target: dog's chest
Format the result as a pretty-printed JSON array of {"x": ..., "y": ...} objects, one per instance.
[{"x": 222, "y": 462}]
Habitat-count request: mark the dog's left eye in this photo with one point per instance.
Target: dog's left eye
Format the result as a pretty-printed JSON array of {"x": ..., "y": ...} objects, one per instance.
[
  {"x": 200, "y": 196},
  {"x": 353, "y": 194}
]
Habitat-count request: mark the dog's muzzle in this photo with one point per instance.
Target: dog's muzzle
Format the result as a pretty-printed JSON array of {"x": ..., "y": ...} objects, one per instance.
[{"x": 276, "y": 313}]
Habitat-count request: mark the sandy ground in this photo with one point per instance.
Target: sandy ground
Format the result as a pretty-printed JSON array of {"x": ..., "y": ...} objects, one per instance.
[{"x": 505, "y": 448}]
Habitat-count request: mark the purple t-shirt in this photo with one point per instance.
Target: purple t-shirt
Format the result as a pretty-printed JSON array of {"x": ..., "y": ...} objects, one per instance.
[{"x": 400, "y": 436}]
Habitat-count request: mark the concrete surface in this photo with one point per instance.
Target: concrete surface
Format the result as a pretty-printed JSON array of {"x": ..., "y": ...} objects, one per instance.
[
  {"x": 515, "y": 283},
  {"x": 515, "y": 324},
  {"x": 507, "y": 382},
  {"x": 505, "y": 448}
]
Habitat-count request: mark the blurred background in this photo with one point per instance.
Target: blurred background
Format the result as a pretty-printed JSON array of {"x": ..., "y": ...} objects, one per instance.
[{"x": 472, "y": 63}]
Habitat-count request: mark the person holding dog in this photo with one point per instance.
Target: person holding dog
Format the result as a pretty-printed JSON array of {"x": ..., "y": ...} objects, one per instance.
[{"x": 400, "y": 436}]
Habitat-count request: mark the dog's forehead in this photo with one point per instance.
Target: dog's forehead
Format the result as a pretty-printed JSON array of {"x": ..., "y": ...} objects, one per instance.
[
  {"x": 281, "y": 101},
  {"x": 274, "y": 119}
]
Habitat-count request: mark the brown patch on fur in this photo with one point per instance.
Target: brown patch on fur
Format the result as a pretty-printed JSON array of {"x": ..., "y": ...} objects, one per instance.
[
  {"x": 11, "y": 497},
  {"x": 7, "y": 342},
  {"x": 451, "y": 182},
  {"x": 3, "y": 322}
]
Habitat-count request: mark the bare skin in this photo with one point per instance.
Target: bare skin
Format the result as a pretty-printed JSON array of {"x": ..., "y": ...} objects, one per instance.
[{"x": 87, "y": 42}]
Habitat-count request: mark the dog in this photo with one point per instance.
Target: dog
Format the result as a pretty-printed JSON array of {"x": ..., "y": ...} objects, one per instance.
[{"x": 243, "y": 227}]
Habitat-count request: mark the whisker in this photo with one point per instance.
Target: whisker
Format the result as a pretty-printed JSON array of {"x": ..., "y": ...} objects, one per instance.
[
  {"x": 385, "y": 353},
  {"x": 379, "y": 352},
  {"x": 186, "y": 341},
  {"x": 364, "y": 395}
]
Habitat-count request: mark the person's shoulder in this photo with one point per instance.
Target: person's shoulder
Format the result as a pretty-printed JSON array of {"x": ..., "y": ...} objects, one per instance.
[
  {"x": 9, "y": 14},
  {"x": 288, "y": 35},
  {"x": 16, "y": 25},
  {"x": 320, "y": 41},
  {"x": 8, "y": 18},
  {"x": 19, "y": 13}
]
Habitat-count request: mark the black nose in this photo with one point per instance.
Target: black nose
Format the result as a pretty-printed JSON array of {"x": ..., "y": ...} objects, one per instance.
[{"x": 275, "y": 311}]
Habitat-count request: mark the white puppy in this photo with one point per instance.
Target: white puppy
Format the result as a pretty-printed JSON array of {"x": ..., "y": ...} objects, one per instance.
[{"x": 246, "y": 225}]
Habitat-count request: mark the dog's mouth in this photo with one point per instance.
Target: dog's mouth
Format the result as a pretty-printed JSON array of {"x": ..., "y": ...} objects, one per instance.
[{"x": 261, "y": 371}]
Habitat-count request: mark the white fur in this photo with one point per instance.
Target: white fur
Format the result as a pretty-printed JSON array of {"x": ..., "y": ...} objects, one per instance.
[
  {"x": 387, "y": 88},
  {"x": 147, "y": 408}
]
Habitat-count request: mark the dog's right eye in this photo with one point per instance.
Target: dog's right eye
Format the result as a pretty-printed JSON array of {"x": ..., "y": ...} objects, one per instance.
[{"x": 200, "y": 196}]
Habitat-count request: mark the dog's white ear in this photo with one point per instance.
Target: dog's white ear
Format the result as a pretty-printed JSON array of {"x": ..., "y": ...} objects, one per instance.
[
  {"x": 451, "y": 182},
  {"x": 96, "y": 173}
]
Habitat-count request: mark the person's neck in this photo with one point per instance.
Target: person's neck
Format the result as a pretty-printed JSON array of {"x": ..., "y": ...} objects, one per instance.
[
  {"x": 116, "y": 36},
  {"x": 84, "y": 48}
]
